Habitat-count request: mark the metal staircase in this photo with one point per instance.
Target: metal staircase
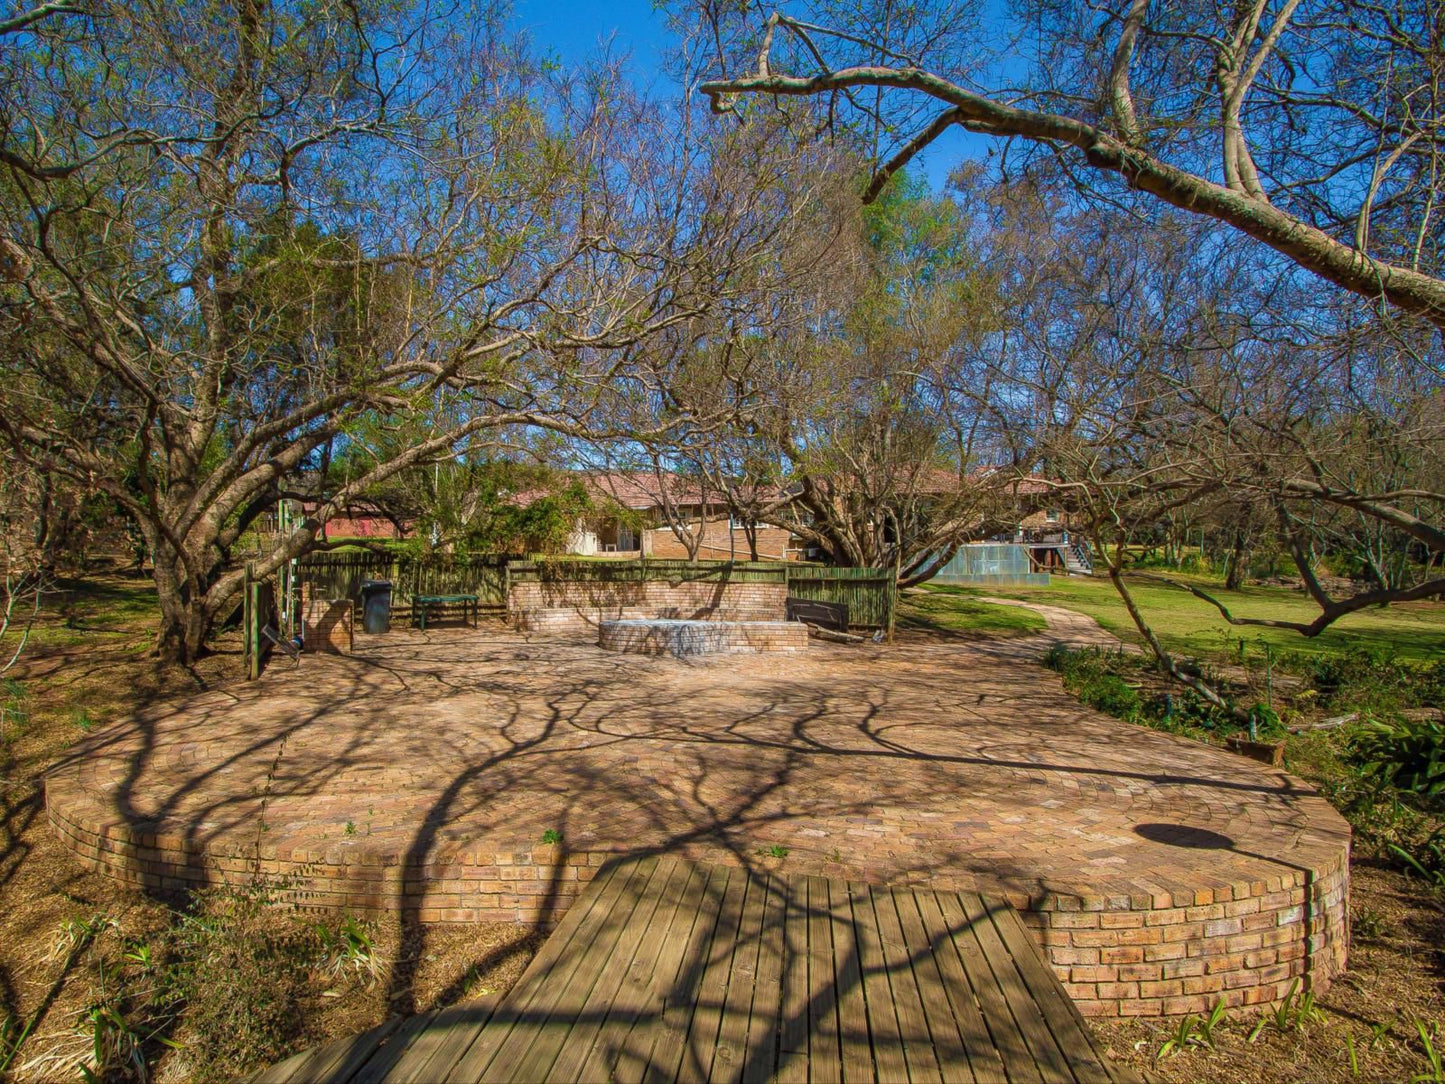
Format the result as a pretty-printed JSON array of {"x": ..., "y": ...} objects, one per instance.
[{"x": 1077, "y": 558}]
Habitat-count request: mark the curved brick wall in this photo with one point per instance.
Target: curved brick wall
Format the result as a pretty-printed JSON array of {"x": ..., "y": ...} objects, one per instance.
[
  {"x": 1158, "y": 874},
  {"x": 1146, "y": 955},
  {"x": 1168, "y": 953}
]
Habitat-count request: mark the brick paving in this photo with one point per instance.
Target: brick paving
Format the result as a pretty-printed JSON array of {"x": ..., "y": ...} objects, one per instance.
[{"x": 419, "y": 774}]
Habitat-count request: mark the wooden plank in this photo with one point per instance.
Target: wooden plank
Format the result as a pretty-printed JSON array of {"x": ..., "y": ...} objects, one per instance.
[
  {"x": 1060, "y": 1014},
  {"x": 673, "y": 940},
  {"x": 762, "y": 1054},
  {"x": 335, "y": 1060},
  {"x": 666, "y": 971},
  {"x": 702, "y": 1035},
  {"x": 907, "y": 1001},
  {"x": 546, "y": 975},
  {"x": 793, "y": 1029},
  {"x": 528, "y": 1053},
  {"x": 938, "y": 1014},
  {"x": 619, "y": 992},
  {"x": 1008, "y": 1040},
  {"x": 680, "y": 994},
  {"x": 856, "y": 1050},
  {"x": 388, "y": 1053},
  {"x": 1052, "y": 1063},
  {"x": 729, "y": 1058},
  {"x": 432, "y": 1053},
  {"x": 888, "y": 1054},
  {"x": 825, "y": 1061},
  {"x": 983, "y": 1056}
]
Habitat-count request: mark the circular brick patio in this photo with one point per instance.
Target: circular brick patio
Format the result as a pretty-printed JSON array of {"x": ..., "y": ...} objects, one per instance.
[{"x": 420, "y": 775}]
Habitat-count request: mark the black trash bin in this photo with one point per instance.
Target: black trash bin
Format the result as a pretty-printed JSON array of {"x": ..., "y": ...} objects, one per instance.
[{"x": 376, "y": 605}]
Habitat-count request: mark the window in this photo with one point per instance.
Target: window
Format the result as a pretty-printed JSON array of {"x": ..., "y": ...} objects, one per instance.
[{"x": 1051, "y": 515}]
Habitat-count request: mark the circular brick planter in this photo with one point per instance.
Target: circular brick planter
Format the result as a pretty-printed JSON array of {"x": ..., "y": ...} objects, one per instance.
[
  {"x": 1159, "y": 874},
  {"x": 683, "y": 639}
]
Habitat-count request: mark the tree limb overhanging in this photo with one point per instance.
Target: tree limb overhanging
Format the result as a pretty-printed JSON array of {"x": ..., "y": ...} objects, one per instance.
[{"x": 1240, "y": 202}]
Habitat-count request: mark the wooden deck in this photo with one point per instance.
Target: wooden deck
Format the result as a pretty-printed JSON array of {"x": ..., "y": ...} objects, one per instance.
[{"x": 663, "y": 970}]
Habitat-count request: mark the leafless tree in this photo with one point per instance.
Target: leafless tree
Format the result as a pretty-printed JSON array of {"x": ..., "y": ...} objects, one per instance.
[{"x": 1313, "y": 126}]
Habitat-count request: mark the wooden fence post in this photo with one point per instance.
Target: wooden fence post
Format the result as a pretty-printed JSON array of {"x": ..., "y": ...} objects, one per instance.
[{"x": 247, "y": 616}]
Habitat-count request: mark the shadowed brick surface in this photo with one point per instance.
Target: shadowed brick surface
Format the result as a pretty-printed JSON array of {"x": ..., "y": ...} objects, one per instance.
[
  {"x": 419, "y": 775},
  {"x": 652, "y": 636}
]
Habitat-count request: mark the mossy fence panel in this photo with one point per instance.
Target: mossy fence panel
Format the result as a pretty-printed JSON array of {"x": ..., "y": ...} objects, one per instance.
[
  {"x": 340, "y": 575},
  {"x": 868, "y": 593}
]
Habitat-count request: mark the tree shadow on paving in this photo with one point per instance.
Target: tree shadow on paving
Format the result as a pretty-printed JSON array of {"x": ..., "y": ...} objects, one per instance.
[{"x": 495, "y": 741}]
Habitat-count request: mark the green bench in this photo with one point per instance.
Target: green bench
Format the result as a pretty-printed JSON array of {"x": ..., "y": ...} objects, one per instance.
[{"x": 422, "y": 604}]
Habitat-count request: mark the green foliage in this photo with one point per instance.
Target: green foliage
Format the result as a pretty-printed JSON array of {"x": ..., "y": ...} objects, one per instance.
[
  {"x": 1294, "y": 1013},
  {"x": 1373, "y": 678},
  {"x": 1434, "y": 1055},
  {"x": 14, "y": 708},
  {"x": 1194, "y": 1031},
  {"x": 777, "y": 850},
  {"x": 1102, "y": 680},
  {"x": 349, "y": 949},
  {"x": 1367, "y": 924},
  {"x": 1405, "y": 755},
  {"x": 551, "y": 836},
  {"x": 1426, "y": 860}
]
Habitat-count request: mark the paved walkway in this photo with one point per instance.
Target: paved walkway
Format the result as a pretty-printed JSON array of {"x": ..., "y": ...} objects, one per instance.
[
  {"x": 664, "y": 971},
  {"x": 1066, "y": 627},
  {"x": 420, "y": 775}
]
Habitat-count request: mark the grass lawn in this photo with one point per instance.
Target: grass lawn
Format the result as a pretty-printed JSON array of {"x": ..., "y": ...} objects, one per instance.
[
  {"x": 1191, "y": 626},
  {"x": 951, "y": 610}
]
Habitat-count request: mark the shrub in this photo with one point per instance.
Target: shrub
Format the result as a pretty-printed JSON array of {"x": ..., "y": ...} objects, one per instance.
[
  {"x": 1405, "y": 755},
  {"x": 1370, "y": 678}
]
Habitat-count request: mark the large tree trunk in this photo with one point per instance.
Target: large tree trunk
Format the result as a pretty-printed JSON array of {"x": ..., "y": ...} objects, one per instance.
[{"x": 1238, "y": 562}]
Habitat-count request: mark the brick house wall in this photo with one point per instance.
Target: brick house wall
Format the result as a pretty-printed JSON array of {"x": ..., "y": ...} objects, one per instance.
[{"x": 720, "y": 542}]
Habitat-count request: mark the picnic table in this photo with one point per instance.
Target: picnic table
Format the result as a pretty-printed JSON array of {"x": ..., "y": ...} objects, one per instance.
[{"x": 422, "y": 604}]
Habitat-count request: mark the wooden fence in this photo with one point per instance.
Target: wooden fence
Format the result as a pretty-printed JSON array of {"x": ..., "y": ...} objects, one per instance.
[
  {"x": 867, "y": 592},
  {"x": 340, "y": 575}
]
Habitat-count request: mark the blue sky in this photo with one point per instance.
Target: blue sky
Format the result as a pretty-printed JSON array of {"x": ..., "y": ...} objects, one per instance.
[{"x": 573, "y": 29}]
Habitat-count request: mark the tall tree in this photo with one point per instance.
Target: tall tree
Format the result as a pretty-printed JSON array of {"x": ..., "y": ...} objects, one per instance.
[{"x": 243, "y": 234}]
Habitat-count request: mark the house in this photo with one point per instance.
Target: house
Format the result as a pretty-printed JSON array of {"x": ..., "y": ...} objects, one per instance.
[
  {"x": 635, "y": 513},
  {"x": 357, "y": 520}
]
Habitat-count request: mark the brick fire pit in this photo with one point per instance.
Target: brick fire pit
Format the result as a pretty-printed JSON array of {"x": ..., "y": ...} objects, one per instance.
[{"x": 665, "y": 636}]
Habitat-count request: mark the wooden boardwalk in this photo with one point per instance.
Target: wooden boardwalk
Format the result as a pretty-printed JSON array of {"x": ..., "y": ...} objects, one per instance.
[{"x": 664, "y": 970}]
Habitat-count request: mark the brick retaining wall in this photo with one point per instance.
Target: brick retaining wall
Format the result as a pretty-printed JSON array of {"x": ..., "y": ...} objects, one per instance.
[
  {"x": 579, "y": 605},
  {"x": 1161, "y": 954},
  {"x": 1153, "y": 954}
]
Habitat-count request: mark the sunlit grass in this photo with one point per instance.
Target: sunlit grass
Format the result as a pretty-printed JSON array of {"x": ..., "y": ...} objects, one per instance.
[
  {"x": 953, "y": 610},
  {"x": 1190, "y": 625}
]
